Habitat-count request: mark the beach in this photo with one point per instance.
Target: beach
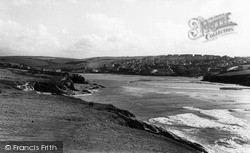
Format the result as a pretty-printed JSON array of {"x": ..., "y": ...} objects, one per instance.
[
  {"x": 83, "y": 127},
  {"x": 192, "y": 109}
]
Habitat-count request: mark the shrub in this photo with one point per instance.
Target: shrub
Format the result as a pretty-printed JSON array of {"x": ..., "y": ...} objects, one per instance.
[{"x": 76, "y": 78}]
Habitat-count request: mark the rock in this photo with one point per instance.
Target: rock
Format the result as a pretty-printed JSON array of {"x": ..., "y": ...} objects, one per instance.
[
  {"x": 234, "y": 79},
  {"x": 76, "y": 78}
]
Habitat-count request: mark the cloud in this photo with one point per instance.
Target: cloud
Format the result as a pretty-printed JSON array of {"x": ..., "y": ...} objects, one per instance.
[
  {"x": 111, "y": 37},
  {"x": 106, "y": 23},
  {"x": 89, "y": 41},
  {"x": 171, "y": 31},
  {"x": 65, "y": 31},
  {"x": 97, "y": 45},
  {"x": 129, "y": 1},
  {"x": 16, "y": 39},
  {"x": 149, "y": 30},
  {"x": 42, "y": 2},
  {"x": 215, "y": 7}
]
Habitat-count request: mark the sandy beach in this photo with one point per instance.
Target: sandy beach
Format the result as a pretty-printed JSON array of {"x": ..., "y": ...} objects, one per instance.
[
  {"x": 28, "y": 116},
  {"x": 195, "y": 110}
]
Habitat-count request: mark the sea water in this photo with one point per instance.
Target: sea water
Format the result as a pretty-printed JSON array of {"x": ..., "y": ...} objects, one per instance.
[
  {"x": 223, "y": 125},
  {"x": 194, "y": 110}
]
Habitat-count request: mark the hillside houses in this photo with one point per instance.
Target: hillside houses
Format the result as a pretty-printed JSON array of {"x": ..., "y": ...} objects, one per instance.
[{"x": 183, "y": 65}]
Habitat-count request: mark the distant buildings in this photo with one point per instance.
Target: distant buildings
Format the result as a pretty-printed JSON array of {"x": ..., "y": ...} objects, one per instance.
[{"x": 184, "y": 64}]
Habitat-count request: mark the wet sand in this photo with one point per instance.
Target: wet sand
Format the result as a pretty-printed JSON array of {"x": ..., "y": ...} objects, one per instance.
[{"x": 184, "y": 102}]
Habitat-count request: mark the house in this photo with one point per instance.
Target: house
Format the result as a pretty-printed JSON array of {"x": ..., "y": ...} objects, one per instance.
[
  {"x": 58, "y": 70},
  {"x": 154, "y": 71},
  {"x": 95, "y": 71}
]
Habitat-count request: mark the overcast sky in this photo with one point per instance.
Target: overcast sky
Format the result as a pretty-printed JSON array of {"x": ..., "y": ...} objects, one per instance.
[{"x": 87, "y": 28}]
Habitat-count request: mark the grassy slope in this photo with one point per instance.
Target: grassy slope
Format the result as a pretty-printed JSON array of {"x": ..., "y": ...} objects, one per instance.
[
  {"x": 38, "y": 61},
  {"x": 31, "y": 116},
  {"x": 57, "y": 62},
  {"x": 100, "y": 61}
]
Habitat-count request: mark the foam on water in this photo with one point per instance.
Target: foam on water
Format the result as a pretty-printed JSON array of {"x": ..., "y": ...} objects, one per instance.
[
  {"x": 192, "y": 120},
  {"x": 190, "y": 88},
  {"x": 217, "y": 119},
  {"x": 239, "y": 110},
  {"x": 233, "y": 145},
  {"x": 82, "y": 95},
  {"x": 191, "y": 108},
  {"x": 222, "y": 115},
  {"x": 204, "y": 92},
  {"x": 221, "y": 130}
]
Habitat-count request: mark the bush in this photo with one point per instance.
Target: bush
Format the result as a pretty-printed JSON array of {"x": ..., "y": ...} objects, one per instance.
[{"x": 76, "y": 78}]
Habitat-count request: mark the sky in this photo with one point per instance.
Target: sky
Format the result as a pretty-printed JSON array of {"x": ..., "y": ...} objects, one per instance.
[{"x": 90, "y": 28}]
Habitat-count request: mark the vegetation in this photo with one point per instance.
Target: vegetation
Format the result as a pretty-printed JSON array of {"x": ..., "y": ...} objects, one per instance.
[
  {"x": 164, "y": 65},
  {"x": 76, "y": 78}
]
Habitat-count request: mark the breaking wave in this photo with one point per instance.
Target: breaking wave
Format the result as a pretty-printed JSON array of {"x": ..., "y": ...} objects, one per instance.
[{"x": 235, "y": 131}]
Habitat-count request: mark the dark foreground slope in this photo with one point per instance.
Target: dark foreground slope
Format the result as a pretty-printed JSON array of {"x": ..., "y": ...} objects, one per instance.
[
  {"x": 82, "y": 126},
  {"x": 238, "y": 77}
]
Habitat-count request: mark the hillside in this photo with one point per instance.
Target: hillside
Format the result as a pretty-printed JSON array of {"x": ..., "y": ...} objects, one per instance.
[
  {"x": 82, "y": 126},
  {"x": 236, "y": 77},
  {"x": 53, "y": 63},
  {"x": 163, "y": 65},
  {"x": 37, "y": 61}
]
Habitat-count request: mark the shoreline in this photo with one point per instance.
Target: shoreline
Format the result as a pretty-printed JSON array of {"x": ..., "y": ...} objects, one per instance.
[
  {"x": 132, "y": 122},
  {"x": 242, "y": 80},
  {"x": 27, "y": 115},
  {"x": 143, "y": 125},
  {"x": 146, "y": 126},
  {"x": 164, "y": 98}
]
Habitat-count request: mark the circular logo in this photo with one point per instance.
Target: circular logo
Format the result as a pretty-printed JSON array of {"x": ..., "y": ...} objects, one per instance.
[{"x": 8, "y": 147}]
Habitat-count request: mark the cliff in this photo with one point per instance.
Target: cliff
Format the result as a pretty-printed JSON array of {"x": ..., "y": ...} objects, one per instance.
[{"x": 239, "y": 77}]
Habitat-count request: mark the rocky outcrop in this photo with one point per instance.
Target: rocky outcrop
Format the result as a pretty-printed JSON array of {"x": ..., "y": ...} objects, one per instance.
[
  {"x": 76, "y": 78},
  {"x": 233, "y": 79},
  {"x": 58, "y": 85},
  {"x": 87, "y": 87},
  {"x": 53, "y": 88}
]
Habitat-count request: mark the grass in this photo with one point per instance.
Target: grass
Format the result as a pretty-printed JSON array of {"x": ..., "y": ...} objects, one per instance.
[{"x": 83, "y": 128}]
